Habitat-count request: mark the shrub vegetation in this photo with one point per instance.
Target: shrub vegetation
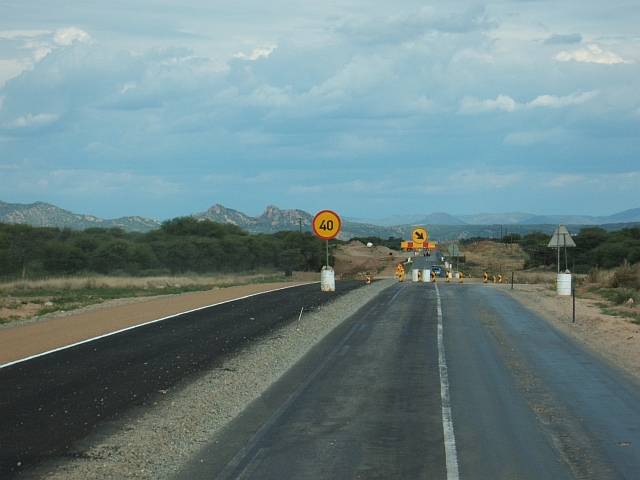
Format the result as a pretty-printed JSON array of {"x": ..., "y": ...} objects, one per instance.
[{"x": 181, "y": 245}]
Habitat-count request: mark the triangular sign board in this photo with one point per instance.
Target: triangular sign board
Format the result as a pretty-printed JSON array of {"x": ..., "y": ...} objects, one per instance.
[{"x": 562, "y": 238}]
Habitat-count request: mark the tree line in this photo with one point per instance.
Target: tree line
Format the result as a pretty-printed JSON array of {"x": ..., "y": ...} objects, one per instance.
[
  {"x": 595, "y": 247},
  {"x": 179, "y": 246}
]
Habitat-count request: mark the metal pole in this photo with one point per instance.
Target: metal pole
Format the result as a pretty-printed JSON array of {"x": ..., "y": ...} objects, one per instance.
[
  {"x": 511, "y": 279},
  {"x": 566, "y": 260},
  {"x": 573, "y": 292},
  {"x": 327, "y": 253}
]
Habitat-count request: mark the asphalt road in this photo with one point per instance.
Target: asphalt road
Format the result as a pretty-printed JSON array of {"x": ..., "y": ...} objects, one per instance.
[
  {"x": 437, "y": 381},
  {"x": 48, "y": 402}
]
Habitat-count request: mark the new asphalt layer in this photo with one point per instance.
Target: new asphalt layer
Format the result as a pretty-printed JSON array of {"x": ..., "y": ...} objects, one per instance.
[{"x": 48, "y": 402}]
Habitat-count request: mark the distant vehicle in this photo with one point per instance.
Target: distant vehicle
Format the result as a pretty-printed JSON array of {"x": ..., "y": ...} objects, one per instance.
[{"x": 436, "y": 269}]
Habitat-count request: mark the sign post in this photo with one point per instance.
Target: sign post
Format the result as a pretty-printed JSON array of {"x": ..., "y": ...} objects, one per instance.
[
  {"x": 562, "y": 238},
  {"x": 454, "y": 251},
  {"x": 326, "y": 225}
]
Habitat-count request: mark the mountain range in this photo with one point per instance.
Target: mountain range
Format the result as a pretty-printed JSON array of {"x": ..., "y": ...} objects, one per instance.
[
  {"x": 441, "y": 226},
  {"x": 512, "y": 218},
  {"x": 41, "y": 214}
]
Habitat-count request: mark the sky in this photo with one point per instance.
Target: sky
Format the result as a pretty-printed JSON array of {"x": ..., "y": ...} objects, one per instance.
[{"x": 163, "y": 108}]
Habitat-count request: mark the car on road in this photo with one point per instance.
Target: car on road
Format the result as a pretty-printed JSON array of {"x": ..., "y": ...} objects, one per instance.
[{"x": 436, "y": 269}]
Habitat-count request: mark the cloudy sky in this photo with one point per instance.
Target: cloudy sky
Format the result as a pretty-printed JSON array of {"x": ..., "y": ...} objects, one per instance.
[{"x": 163, "y": 108}]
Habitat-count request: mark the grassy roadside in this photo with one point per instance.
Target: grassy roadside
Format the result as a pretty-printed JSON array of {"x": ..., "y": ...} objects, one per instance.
[{"x": 27, "y": 299}]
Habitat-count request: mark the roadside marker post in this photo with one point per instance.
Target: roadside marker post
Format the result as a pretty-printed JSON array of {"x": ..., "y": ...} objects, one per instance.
[{"x": 326, "y": 225}]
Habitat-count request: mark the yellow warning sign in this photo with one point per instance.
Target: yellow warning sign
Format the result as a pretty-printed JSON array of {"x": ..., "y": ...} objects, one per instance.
[
  {"x": 419, "y": 235},
  {"x": 399, "y": 269}
]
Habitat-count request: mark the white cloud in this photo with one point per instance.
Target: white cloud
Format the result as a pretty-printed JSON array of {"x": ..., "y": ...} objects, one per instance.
[
  {"x": 470, "y": 179},
  {"x": 228, "y": 179},
  {"x": 354, "y": 186},
  {"x": 65, "y": 36},
  {"x": 30, "y": 120},
  {"x": 88, "y": 182},
  {"x": 256, "y": 53},
  {"x": 504, "y": 103},
  {"x": 591, "y": 54},
  {"x": 553, "y": 101},
  {"x": 470, "y": 105},
  {"x": 563, "y": 180},
  {"x": 127, "y": 86},
  {"x": 10, "y": 69},
  {"x": 13, "y": 34},
  {"x": 554, "y": 135}
]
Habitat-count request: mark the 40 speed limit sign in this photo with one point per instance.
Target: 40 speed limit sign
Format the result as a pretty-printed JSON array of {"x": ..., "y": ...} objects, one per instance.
[{"x": 326, "y": 224}]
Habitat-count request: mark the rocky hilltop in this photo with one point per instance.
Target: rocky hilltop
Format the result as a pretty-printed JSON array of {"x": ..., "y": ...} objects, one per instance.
[
  {"x": 41, "y": 214},
  {"x": 272, "y": 219}
]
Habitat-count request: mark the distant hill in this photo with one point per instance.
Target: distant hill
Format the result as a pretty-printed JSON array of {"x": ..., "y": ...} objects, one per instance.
[
  {"x": 441, "y": 226},
  {"x": 273, "y": 219},
  {"x": 441, "y": 218},
  {"x": 42, "y": 214},
  {"x": 632, "y": 215},
  {"x": 390, "y": 221},
  {"x": 511, "y": 218}
]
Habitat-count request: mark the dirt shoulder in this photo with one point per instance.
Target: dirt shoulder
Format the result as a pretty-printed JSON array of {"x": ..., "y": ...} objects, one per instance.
[
  {"x": 62, "y": 329},
  {"x": 356, "y": 259},
  {"x": 614, "y": 338}
]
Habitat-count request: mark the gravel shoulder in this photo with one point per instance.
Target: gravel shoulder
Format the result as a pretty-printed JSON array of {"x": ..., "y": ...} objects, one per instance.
[{"x": 155, "y": 440}]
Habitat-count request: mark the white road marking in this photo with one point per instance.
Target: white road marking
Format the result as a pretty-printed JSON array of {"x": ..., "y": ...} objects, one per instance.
[{"x": 450, "y": 452}]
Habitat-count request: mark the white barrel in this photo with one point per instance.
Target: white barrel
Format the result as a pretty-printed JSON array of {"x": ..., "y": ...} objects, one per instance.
[
  {"x": 327, "y": 280},
  {"x": 564, "y": 284},
  {"x": 426, "y": 275},
  {"x": 414, "y": 274}
]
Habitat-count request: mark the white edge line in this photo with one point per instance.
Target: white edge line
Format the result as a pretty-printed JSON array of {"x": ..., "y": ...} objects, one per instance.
[
  {"x": 451, "y": 455},
  {"x": 146, "y": 323}
]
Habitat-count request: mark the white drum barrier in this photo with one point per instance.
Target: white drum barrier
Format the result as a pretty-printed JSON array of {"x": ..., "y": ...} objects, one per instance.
[
  {"x": 564, "y": 284},
  {"x": 426, "y": 275},
  {"x": 414, "y": 274},
  {"x": 327, "y": 280}
]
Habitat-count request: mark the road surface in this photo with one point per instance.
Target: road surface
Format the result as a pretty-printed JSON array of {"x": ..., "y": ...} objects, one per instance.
[
  {"x": 437, "y": 381},
  {"x": 48, "y": 402}
]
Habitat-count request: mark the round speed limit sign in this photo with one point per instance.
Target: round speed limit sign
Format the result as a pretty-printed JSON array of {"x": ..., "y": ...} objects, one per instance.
[{"x": 326, "y": 224}]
